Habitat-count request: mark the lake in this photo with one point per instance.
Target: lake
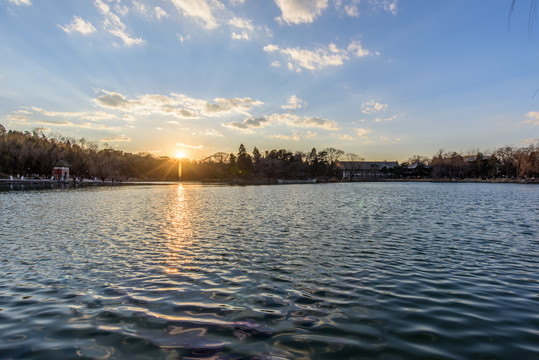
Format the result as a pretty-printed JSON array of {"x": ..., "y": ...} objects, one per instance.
[{"x": 323, "y": 271}]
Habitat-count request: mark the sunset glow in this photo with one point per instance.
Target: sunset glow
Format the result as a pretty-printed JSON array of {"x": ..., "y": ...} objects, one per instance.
[{"x": 180, "y": 155}]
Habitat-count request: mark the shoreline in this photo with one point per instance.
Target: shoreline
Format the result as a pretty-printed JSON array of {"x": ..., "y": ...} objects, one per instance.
[{"x": 48, "y": 183}]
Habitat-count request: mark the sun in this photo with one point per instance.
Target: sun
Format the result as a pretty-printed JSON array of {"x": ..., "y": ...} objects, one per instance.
[{"x": 180, "y": 155}]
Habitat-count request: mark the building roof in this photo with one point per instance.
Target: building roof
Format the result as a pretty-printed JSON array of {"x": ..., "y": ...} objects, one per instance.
[
  {"x": 366, "y": 165},
  {"x": 416, "y": 164}
]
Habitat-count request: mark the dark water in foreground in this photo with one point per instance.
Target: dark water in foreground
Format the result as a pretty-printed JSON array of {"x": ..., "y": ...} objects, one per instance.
[{"x": 361, "y": 270}]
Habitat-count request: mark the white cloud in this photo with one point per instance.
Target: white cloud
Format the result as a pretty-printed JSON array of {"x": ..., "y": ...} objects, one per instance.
[
  {"x": 63, "y": 118},
  {"x": 199, "y": 9},
  {"x": 296, "y": 136},
  {"x": 391, "y": 118},
  {"x": 18, "y": 118},
  {"x": 304, "y": 122},
  {"x": 533, "y": 117},
  {"x": 275, "y": 64},
  {"x": 183, "y": 38},
  {"x": 241, "y": 36},
  {"x": 159, "y": 13},
  {"x": 241, "y": 23},
  {"x": 177, "y": 105},
  {"x": 122, "y": 10},
  {"x": 226, "y": 105},
  {"x": 346, "y": 137},
  {"x": 69, "y": 123},
  {"x": 294, "y": 103},
  {"x": 279, "y": 136},
  {"x": 318, "y": 58},
  {"x": 245, "y": 25},
  {"x": 190, "y": 146},
  {"x": 208, "y": 132},
  {"x": 128, "y": 118},
  {"x": 271, "y": 48},
  {"x": 211, "y": 132},
  {"x": 20, "y": 2},
  {"x": 389, "y": 6},
  {"x": 357, "y": 49},
  {"x": 57, "y": 113},
  {"x": 361, "y": 132},
  {"x": 140, "y": 7},
  {"x": 288, "y": 119},
  {"x": 78, "y": 25},
  {"x": 372, "y": 107},
  {"x": 352, "y": 8},
  {"x": 248, "y": 124},
  {"x": 531, "y": 141},
  {"x": 117, "y": 138},
  {"x": 98, "y": 116},
  {"x": 389, "y": 140},
  {"x": 300, "y": 11},
  {"x": 114, "y": 25}
]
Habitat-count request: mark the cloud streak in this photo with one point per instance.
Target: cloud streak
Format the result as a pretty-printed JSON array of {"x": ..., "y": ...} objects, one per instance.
[
  {"x": 64, "y": 119},
  {"x": 114, "y": 25},
  {"x": 248, "y": 124},
  {"x": 78, "y": 25},
  {"x": 373, "y": 107},
  {"x": 288, "y": 119},
  {"x": 156, "y": 11},
  {"x": 533, "y": 118},
  {"x": 318, "y": 58},
  {"x": 198, "y": 9},
  {"x": 300, "y": 11},
  {"x": 361, "y": 132},
  {"x": 178, "y": 105},
  {"x": 117, "y": 138},
  {"x": 21, "y": 2},
  {"x": 294, "y": 103},
  {"x": 190, "y": 146},
  {"x": 244, "y": 25}
]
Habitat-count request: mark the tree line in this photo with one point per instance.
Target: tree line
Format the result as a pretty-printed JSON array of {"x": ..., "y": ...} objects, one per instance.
[
  {"x": 34, "y": 153},
  {"x": 281, "y": 164}
]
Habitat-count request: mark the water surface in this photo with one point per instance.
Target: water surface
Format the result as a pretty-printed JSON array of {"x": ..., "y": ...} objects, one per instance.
[{"x": 361, "y": 270}]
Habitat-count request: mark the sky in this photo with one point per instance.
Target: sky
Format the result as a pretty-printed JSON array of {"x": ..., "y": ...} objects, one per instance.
[{"x": 383, "y": 79}]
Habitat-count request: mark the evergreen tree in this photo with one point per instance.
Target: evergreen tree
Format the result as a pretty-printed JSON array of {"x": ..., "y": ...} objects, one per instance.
[{"x": 245, "y": 163}]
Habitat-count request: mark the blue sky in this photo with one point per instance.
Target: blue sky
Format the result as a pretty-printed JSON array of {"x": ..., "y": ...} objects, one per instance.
[{"x": 384, "y": 79}]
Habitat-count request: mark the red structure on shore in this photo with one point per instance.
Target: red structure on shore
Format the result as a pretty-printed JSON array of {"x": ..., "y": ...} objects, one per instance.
[{"x": 60, "y": 172}]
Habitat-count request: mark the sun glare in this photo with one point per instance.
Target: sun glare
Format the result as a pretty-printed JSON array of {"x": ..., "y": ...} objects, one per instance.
[{"x": 180, "y": 155}]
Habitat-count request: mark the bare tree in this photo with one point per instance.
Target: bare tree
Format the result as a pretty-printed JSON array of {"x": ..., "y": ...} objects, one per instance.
[{"x": 352, "y": 165}]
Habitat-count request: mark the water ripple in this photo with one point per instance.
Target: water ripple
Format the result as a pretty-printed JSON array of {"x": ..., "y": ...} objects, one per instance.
[{"x": 269, "y": 272}]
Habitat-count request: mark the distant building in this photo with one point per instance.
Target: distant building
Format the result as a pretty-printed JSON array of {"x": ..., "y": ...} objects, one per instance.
[
  {"x": 60, "y": 172},
  {"x": 418, "y": 169},
  {"x": 365, "y": 169},
  {"x": 416, "y": 165}
]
